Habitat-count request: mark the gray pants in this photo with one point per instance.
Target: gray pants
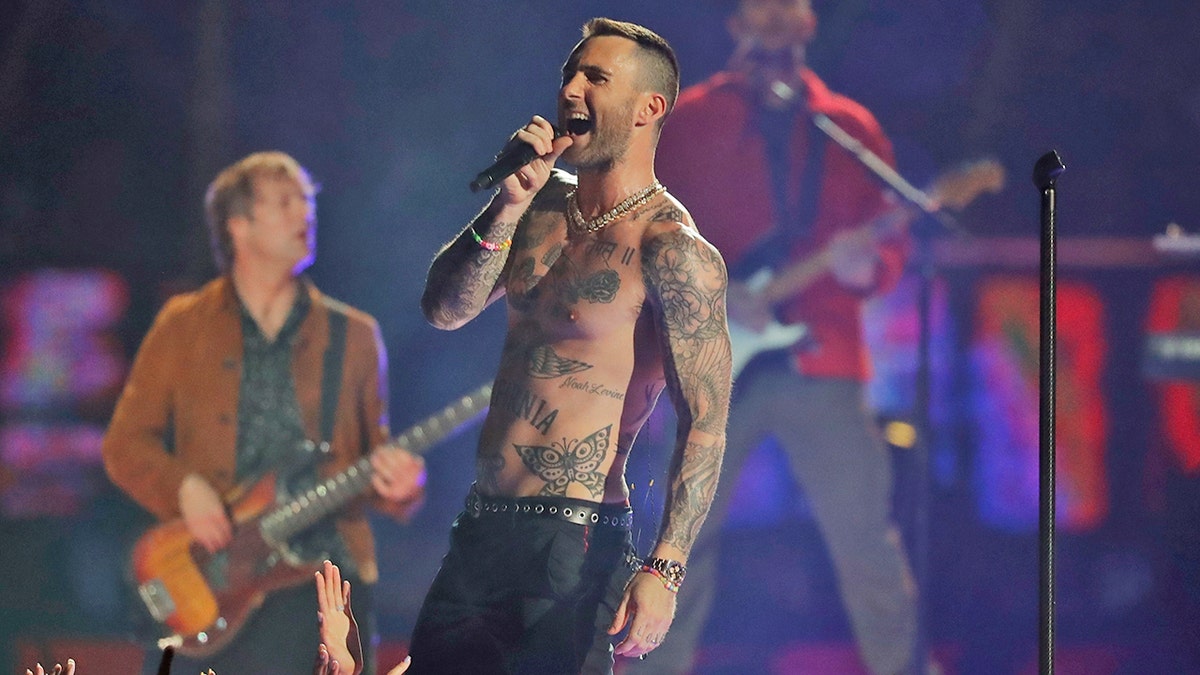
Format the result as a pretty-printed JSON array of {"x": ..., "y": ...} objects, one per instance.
[{"x": 846, "y": 474}]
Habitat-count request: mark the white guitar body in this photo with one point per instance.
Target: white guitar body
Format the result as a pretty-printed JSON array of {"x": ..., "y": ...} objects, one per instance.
[{"x": 746, "y": 342}]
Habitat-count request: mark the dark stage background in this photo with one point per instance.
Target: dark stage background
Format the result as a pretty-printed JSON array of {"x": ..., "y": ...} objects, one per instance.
[{"x": 115, "y": 115}]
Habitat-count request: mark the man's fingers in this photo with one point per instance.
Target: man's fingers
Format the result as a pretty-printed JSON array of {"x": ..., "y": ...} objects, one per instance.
[
  {"x": 322, "y": 600},
  {"x": 331, "y": 582},
  {"x": 538, "y": 141},
  {"x": 401, "y": 667},
  {"x": 621, "y": 616},
  {"x": 558, "y": 147}
]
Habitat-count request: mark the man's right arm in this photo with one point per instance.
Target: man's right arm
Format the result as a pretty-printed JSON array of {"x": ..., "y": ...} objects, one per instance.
[
  {"x": 467, "y": 274},
  {"x": 465, "y": 277}
]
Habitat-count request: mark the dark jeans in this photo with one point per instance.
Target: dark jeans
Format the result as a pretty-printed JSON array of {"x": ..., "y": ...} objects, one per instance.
[
  {"x": 280, "y": 638},
  {"x": 524, "y": 594}
]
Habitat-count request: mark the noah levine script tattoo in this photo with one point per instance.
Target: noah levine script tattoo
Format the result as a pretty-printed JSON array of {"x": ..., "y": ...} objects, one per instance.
[
  {"x": 589, "y": 387},
  {"x": 570, "y": 461}
]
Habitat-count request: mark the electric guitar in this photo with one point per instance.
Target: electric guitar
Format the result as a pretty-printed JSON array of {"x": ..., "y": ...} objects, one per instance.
[
  {"x": 202, "y": 600},
  {"x": 953, "y": 190}
]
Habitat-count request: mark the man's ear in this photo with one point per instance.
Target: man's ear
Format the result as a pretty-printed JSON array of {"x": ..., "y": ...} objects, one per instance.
[
  {"x": 238, "y": 226},
  {"x": 652, "y": 108}
]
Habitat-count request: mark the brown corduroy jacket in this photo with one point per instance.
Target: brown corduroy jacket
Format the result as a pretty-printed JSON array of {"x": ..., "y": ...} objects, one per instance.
[{"x": 182, "y": 393}]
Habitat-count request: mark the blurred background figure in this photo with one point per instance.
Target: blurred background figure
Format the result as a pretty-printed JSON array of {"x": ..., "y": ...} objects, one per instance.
[{"x": 774, "y": 195}]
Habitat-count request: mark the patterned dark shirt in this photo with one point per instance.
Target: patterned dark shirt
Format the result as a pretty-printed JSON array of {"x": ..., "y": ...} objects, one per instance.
[{"x": 271, "y": 431}]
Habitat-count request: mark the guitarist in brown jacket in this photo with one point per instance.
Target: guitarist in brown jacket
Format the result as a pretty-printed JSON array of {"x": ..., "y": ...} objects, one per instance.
[{"x": 226, "y": 388}]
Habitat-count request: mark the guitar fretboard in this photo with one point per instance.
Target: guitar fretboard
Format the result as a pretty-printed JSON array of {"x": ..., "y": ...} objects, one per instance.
[{"x": 335, "y": 492}]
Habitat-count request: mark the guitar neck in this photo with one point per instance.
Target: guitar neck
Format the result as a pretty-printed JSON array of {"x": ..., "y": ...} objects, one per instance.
[
  {"x": 798, "y": 276},
  {"x": 337, "y": 491}
]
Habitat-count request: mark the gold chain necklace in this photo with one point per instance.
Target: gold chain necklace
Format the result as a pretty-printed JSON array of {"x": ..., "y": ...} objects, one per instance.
[{"x": 581, "y": 225}]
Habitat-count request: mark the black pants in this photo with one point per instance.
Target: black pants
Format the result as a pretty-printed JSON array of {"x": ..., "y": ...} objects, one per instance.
[
  {"x": 524, "y": 594},
  {"x": 280, "y": 638}
]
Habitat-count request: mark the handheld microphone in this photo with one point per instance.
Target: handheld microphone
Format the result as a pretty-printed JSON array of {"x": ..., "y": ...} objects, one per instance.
[{"x": 510, "y": 159}]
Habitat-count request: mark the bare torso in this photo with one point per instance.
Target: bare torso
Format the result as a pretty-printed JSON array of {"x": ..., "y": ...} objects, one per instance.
[{"x": 582, "y": 364}]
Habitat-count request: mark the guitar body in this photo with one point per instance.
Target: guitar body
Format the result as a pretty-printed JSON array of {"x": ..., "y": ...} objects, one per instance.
[
  {"x": 204, "y": 599},
  {"x": 745, "y": 342}
]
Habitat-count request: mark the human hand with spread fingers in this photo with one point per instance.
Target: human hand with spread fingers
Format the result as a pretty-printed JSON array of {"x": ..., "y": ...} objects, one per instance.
[{"x": 57, "y": 670}]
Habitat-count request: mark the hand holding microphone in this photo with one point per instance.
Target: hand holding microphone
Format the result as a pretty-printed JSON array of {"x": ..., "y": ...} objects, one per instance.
[{"x": 524, "y": 165}]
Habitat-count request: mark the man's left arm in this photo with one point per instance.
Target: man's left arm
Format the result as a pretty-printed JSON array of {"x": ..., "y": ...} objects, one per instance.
[{"x": 686, "y": 281}]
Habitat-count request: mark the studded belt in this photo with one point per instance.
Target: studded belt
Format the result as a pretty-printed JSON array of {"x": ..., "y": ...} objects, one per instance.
[{"x": 571, "y": 510}]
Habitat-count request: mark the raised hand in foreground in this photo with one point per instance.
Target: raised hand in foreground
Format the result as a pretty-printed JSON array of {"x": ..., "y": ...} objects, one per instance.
[
  {"x": 59, "y": 670},
  {"x": 340, "y": 651}
]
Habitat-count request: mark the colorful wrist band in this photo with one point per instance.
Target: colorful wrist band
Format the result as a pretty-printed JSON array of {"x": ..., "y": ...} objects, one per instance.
[
  {"x": 487, "y": 244},
  {"x": 667, "y": 583}
]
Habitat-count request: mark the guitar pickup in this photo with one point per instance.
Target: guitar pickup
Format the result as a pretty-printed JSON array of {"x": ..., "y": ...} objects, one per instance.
[{"x": 158, "y": 601}]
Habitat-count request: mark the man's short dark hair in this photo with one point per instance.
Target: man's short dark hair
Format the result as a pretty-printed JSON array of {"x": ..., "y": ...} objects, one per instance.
[{"x": 661, "y": 71}]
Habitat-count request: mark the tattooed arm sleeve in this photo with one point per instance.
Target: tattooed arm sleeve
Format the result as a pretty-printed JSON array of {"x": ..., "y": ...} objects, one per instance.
[
  {"x": 465, "y": 277},
  {"x": 685, "y": 284}
]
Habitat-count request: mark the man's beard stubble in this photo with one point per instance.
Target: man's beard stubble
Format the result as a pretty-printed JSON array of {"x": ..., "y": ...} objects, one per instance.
[{"x": 608, "y": 145}]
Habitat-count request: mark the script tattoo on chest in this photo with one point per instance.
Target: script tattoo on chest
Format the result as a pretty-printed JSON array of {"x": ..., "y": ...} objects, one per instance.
[
  {"x": 569, "y": 461},
  {"x": 589, "y": 387}
]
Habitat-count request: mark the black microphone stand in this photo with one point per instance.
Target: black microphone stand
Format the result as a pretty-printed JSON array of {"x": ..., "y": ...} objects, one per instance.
[
  {"x": 923, "y": 261},
  {"x": 1045, "y": 173}
]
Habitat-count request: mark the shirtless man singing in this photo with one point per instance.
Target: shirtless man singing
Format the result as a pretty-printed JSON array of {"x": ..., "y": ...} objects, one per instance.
[{"x": 612, "y": 297}]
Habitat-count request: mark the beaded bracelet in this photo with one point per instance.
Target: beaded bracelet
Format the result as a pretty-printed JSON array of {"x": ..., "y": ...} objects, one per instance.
[
  {"x": 489, "y": 245},
  {"x": 667, "y": 583}
]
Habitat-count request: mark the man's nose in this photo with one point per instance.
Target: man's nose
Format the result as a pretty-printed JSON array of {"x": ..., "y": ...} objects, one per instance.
[{"x": 572, "y": 89}]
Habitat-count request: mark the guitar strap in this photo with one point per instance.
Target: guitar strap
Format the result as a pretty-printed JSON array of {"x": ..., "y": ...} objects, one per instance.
[
  {"x": 331, "y": 373},
  {"x": 793, "y": 223}
]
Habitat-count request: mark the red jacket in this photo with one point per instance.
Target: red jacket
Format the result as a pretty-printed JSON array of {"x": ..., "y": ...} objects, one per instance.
[{"x": 711, "y": 156}]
